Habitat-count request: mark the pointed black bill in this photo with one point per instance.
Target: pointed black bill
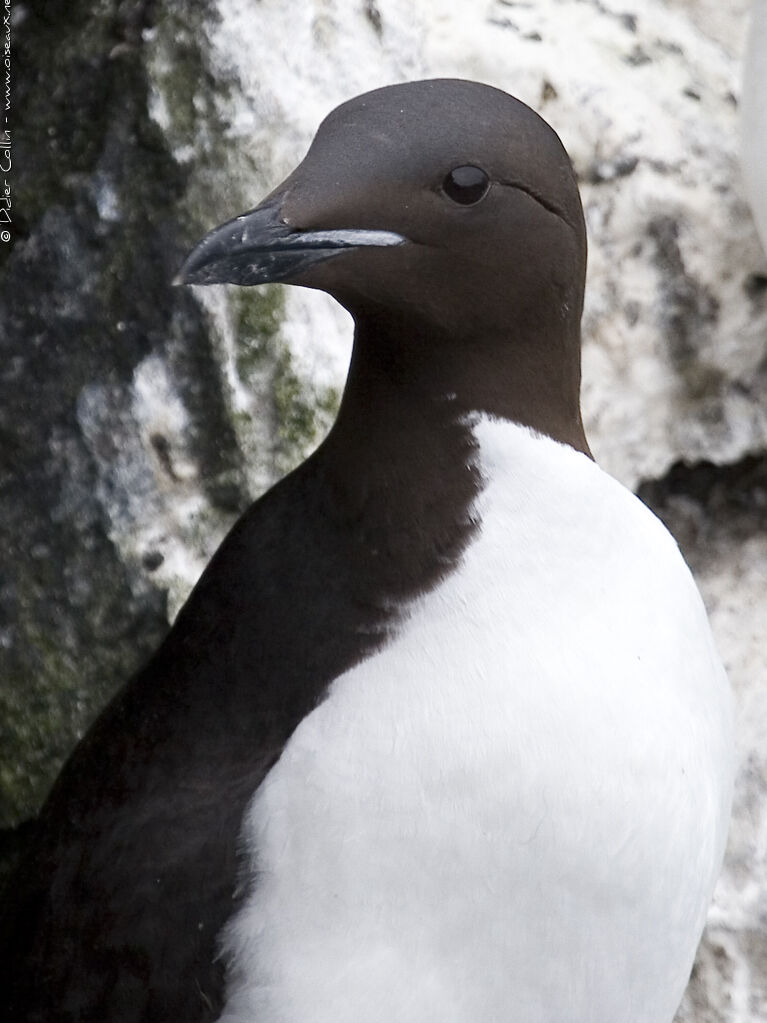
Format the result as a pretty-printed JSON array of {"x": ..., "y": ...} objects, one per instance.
[{"x": 258, "y": 247}]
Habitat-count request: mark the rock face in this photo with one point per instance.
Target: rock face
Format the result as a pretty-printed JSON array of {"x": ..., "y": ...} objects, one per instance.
[
  {"x": 137, "y": 420},
  {"x": 754, "y": 117}
]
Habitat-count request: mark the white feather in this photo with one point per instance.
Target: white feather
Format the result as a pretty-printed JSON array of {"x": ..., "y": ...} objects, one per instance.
[{"x": 516, "y": 811}]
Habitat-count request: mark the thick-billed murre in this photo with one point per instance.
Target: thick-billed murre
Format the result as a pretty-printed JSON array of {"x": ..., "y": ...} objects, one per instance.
[{"x": 447, "y": 688}]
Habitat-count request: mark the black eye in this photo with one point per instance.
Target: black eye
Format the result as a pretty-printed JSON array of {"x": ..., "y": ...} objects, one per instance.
[{"x": 466, "y": 185}]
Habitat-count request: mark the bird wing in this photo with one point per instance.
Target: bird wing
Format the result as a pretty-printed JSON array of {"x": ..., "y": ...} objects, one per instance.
[{"x": 115, "y": 914}]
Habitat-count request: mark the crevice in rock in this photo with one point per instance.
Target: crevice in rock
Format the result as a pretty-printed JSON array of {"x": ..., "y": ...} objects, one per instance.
[
  {"x": 373, "y": 14},
  {"x": 702, "y": 501},
  {"x": 690, "y": 310}
]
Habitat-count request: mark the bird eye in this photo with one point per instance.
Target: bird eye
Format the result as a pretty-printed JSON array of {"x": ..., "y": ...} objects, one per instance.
[{"x": 466, "y": 185}]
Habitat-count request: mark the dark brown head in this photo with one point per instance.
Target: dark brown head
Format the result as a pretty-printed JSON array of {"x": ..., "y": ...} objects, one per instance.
[{"x": 445, "y": 216}]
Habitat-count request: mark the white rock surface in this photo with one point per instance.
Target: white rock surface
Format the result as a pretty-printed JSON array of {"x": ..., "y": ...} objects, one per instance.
[
  {"x": 645, "y": 97},
  {"x": 754, "y": 117}
]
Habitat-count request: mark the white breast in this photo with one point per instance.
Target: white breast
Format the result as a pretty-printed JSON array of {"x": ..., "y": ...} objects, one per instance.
[{"x": 516, "y": 811}]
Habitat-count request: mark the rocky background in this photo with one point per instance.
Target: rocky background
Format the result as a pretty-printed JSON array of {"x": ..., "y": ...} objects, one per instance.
[{"x": 137, "y": 419}]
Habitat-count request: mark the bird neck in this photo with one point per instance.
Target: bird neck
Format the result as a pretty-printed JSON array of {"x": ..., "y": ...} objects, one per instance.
[{"x": 411, "y": 379}]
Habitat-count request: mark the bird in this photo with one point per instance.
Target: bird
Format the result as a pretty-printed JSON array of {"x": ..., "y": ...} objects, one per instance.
[{"x": 442, "y": 731}]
